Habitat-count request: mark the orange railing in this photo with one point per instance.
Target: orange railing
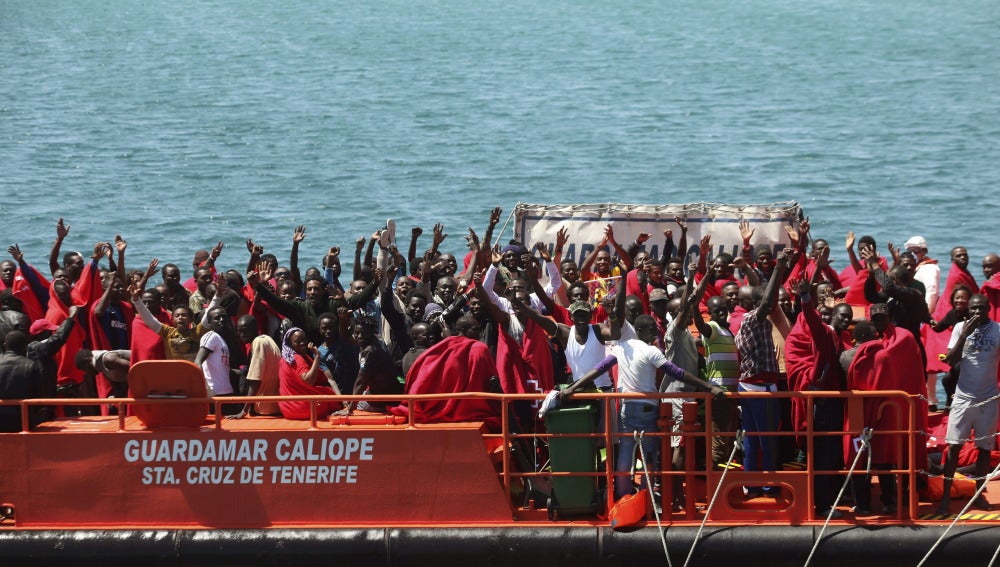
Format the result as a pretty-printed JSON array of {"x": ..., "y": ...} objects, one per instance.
[{"x": 798, "y": 508}]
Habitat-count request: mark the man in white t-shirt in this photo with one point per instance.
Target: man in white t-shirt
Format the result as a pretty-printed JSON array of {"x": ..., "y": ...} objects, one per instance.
[
  {"x": 975, "y": 347},
  {"x": 213, "y": 354},
  {"x": 638, "y": 361}
]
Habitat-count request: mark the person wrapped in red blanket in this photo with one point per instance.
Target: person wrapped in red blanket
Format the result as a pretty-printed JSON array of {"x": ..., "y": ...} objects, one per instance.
[
  {"x": 891, "y": 362},
  {"x": 457, "y": 364}
]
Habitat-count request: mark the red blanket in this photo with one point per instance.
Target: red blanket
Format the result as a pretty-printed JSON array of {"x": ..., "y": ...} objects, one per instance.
[
  {"x": 21, "y": 289},
  {"x": 810, "y": 350},
  {"x": 456, "y": 364},
  {"x": 144, "y": 343},
  {"x": 856, "y": 294},
  {"x": 525, "y": 368},
  {"x": 991, "y": 289},
  {"x": 937, "y": 343},
  {"x": 892, "y": 363},
  {"x": 66, "y": 357},
  {"x": 290, "y": 383}
]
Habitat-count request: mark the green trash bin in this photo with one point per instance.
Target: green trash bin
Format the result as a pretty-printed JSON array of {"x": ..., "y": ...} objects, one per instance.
[{"x": 573, "y": 495}]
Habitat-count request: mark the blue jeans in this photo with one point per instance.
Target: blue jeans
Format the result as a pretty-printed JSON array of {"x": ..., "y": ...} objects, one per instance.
[
  {"x": 760, "y": 453},
  {"x": 636, "y": 416}
]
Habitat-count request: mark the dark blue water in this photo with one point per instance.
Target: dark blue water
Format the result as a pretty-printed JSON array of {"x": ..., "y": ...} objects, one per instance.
[{"x": 178, "y": 124}]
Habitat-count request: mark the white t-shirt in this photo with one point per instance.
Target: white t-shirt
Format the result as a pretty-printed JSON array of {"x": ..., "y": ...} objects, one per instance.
[
  {"x": 637, "y": 364},
  {"x": 216, "y": 365},
  {"x": 977, "y": 378},
  {"x": 929, "y": 275}
]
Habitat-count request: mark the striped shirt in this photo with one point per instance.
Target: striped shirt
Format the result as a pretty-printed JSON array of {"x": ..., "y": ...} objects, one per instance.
[{"x": 722, "y": 364}]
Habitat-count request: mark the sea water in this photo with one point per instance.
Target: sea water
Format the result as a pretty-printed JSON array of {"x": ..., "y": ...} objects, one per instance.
[{"x": 179, "y": 124}]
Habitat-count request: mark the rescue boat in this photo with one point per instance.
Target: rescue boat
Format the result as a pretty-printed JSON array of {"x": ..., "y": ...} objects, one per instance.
[{"x": 170, "y": 480}]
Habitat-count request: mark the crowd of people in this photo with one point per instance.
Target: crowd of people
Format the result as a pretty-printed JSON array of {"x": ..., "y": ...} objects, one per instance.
[{"x": 520, "y": 318}]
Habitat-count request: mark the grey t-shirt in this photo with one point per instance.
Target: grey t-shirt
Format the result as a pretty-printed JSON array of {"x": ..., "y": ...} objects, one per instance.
[
  {"x": 684, "y": 353},
  {"x": 977, "y": 379}
]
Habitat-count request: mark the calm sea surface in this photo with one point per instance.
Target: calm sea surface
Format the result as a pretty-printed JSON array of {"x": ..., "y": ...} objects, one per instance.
[{"x": 181, "y": 123}]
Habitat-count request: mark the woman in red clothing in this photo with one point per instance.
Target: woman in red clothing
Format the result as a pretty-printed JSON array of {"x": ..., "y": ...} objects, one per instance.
[{"x": 301, "y": 375}]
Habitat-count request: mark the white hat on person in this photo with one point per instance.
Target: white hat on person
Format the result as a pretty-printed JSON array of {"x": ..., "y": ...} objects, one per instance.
[{"x": 916, "y": 242}]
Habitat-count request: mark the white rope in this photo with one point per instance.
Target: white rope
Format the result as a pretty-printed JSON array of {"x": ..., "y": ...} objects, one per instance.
[
  {"x": 994, "y": 558},
  {"x": 866, "y": 436},
  {"x": 718, "y": 487},
  {"x": 960, "y": 514},
  {"x": 649, "y": 486}
]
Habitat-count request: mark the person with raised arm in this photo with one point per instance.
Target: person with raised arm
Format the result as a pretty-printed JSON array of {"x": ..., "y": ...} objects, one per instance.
[
  {"x": 638, "y": 363},
  {"x": 300, "y": 374},
  {"x": 182, "y": 338},
  {"x": 377, "y": 375},
  {"x": 759, "y": 373},
  {"x": 26, "y": 283},
  {"x": 73, "y": 262},
  {"x": 606, "y": 276}
]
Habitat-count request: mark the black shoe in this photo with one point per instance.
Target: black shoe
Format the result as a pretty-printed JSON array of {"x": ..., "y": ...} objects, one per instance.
[{"x": 932, "y": 408}]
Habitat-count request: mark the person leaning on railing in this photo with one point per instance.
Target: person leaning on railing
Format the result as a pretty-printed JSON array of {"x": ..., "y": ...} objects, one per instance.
[{"x": 638, "y": 360}]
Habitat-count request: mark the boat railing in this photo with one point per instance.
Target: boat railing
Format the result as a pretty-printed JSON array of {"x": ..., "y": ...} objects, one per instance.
[{"x": 797, "y": 486}]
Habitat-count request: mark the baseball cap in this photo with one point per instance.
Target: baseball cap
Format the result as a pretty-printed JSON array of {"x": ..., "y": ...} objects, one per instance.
[
  {"x": 580, "y": 306},
  {"x": 658, "y": 294},
  {"x": 878, "y": 309},
  {"x": 916, "y": 242},
  {"x": 41, "y": 325}
]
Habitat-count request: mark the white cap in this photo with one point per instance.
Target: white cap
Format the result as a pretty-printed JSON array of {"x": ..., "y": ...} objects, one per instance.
[{"x": 916, "y": 242}]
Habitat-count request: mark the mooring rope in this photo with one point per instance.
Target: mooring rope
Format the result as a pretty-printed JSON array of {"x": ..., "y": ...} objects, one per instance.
[
  {"x": 866, "y": 436},
  {"x": 718, "y": 487},
  {"x": 960, "y": 514},
  {"x": 649, "y": 486}
]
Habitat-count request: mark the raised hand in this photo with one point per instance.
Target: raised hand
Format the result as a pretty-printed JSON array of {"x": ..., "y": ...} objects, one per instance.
[
  {"x": 439, "y": 234},
  {"x": 543, "y": 252},
  {"x": 793, "y": 235},
  {"x": 609, "y": 234},
  {"x": 800, "y": 285},
  {"x": 680, "y": 222},
  {"x": 101, "y": 249},
  {"x": 217, "y": 250},
  {"x": 152, "y": 267},
  {"x": 253, "y": 278},
  {"x": 120, "y": 243},
  {"x": 668, "y": 234},
  {"x": 562, "y": 237},
  {"x": 804, "y": 227},
  {"x": 416, "y": 231},
  {"x": 62, "y": 230},
  {"x": 705, "y": 245},
  {"x": 473, "y": 240},
  {"x": 823, "y": 258},
  {"x": 849, "y": 241},
  {"x": 15, "y": 251},
  {"x": 299, "y": 234},
  {"x": 265, "y": 271},
  {"x": 642, "y": 238},
  {"x": 135, "y": 292},
  {"x": 495, "y": 216},
  {"x": 360, "y": 243},
  {"x": 530, "y": 268},
  {"x": 746, "y": 233},
  {"x": 477, "y": 278}
]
